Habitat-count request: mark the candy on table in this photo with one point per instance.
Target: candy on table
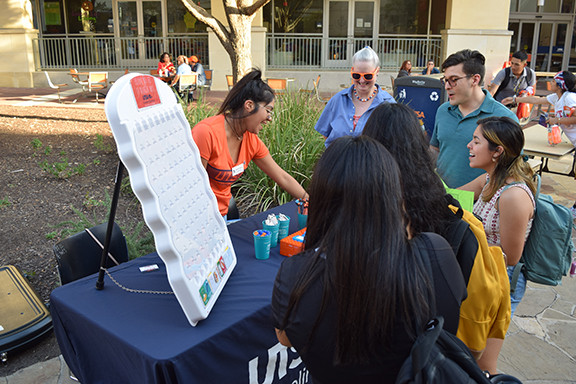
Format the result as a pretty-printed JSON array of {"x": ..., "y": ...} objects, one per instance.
[
  {"x": 283, "y": 217},
  {"x": 261, "y": 233},
  {"x": 302, "y": 206},
  {"x": 271, "y": 219}
]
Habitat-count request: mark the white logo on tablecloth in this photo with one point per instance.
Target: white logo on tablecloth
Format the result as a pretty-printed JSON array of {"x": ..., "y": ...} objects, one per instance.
[
  {"x": 434, "y": 96},
  {"x": 402, "y": 94},
  {"x": 273, "y": 353}
]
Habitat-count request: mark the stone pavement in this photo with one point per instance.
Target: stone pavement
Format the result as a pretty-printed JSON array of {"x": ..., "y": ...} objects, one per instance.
[{"x": 541, "y": 343}]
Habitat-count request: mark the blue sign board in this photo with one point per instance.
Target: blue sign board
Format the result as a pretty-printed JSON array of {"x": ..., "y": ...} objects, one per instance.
[{"x": 424, "y": 95}]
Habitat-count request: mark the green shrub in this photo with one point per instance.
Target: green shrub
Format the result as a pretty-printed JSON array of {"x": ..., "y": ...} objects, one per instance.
[{"x": 293, "y": 144}]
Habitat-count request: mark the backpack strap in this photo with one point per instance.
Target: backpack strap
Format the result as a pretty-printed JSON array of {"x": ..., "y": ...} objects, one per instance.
[
  {"x": 504, "y": 82},
  {"x": 425, "y": 256},
  {"x": 517, "y": 269},
  {"x": 501, "y": 192},
  {"x": 423, "y": 346},
  {"x": 528, "y": 76}
]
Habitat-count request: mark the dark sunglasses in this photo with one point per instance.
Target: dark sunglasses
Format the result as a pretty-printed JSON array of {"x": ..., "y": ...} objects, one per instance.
[{"x": 367, "y": 76}]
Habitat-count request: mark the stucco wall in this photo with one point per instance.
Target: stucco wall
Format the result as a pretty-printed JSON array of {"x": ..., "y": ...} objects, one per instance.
[{"x": 16, "y": 34}]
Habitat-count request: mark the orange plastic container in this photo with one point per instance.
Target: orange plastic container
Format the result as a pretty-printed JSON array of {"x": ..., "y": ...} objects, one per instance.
[{"x": 289, "y": 246}]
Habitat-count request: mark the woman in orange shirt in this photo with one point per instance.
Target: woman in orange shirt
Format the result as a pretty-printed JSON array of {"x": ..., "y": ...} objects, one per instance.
[{"x": 229, "y": 140}]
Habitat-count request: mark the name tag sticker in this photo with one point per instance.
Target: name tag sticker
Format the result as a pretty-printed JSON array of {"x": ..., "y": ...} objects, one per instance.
[{"x": 238, "y": 169}]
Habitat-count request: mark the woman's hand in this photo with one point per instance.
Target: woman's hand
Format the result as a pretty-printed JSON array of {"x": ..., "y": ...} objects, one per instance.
[
  {"x": 508, "y": 100},
  {"x": 553, "y": 121},
  {"x": 280, "y": 176}
]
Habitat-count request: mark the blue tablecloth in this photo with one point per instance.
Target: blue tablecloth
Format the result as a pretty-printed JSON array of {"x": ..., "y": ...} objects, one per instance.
[{"x": 114, "y": 336}]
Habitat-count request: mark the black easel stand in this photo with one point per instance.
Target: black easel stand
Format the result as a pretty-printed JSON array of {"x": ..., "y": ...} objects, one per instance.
[{"x": 119, "y": 171}]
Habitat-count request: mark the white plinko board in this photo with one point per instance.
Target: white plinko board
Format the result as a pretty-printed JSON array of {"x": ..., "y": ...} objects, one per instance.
[{"x": 155, "y": 144}]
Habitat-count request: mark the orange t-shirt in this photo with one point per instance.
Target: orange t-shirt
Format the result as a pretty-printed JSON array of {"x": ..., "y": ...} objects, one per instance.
[{"x": 210, "y": 137}]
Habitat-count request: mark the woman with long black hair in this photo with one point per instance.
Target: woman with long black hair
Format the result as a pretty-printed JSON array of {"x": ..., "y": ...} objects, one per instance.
[{"x": 354, "y": 301}]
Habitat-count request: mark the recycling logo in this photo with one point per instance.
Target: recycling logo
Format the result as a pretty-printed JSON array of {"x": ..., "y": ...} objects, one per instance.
[{"x": 434, "y": 96}]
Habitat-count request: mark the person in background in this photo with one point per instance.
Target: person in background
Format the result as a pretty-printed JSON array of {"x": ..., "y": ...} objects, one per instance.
[
  {"x": 457, "y": 119},
  {"x": 405, "y": 69},
  {"x": 563, "y": 98},
  {"x": 229, "y": 141},
  {"x": 485, "y": 313},
  {"x": 511, "y": 81},
  {"x": 183, "y": 69},
  {"x": 198, "y": 69},
  {"x": 165, "y": 66},
  {"x": 353, "y": 303},
  {"x": 348, "y": 110},
  {"x": 430, "y": 68},
  {"x": 505, "y": 201}
]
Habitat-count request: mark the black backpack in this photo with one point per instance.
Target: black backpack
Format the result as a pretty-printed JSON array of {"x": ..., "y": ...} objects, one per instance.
[
  {"x": 438, "y": 356},
  {"x": 507, "y": 79}
]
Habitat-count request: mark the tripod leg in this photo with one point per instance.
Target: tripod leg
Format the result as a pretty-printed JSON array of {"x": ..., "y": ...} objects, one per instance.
[{"x": 119, "y": 171}]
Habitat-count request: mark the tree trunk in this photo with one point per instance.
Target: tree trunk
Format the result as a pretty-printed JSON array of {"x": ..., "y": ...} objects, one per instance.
[
  {"x": 241, "y": 44},
  {"x": 237, "y": 40}
]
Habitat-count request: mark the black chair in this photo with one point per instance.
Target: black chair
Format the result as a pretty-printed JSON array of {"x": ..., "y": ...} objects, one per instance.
[
  {"x": 233, "y": 213},
  {"x": 79, "y": 255}
]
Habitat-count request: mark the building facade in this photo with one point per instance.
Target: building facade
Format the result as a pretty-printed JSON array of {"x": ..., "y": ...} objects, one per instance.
[{"x": 290, "y": 38}]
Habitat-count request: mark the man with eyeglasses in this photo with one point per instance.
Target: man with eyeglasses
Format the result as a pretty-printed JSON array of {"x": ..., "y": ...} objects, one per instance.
[
  {"x": 457, "y": 119},
  {"x": 510, "y": 81}
]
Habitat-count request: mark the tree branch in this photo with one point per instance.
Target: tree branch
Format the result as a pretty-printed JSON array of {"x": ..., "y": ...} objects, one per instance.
[
  {"x": 215, "y": 24},
  {"x": 252, "y": 9}
]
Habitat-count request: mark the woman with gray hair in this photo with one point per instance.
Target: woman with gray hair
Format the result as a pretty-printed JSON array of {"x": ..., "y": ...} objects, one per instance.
[{"x": 347, "y": 112}]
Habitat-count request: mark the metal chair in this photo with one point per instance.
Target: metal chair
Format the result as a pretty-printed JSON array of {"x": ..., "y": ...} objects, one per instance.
[
  {"x": 187, "y": 83},
  {"x": 208, "y": 84},
  {"x": 230, "y": 81},
  {"x": 55, "y": 86},
  {"x": 278, "y": 86},
  {"x": 77, "y": 80},
  {"x": 316, "y": 91},
  {"x": 97, "y": 81}
]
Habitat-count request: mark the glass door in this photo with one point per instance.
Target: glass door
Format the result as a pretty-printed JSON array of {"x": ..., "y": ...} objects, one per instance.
[
  {"x": 139, "y": 25},
  {"x": 551, "y": 42},
  {"x": 363, "y": 24},
  {"x": 350, "y": 28},
  {"x": 338, "y": 26},
  {"x": 544, "y": 41},
  {"x": 128, "y": 31},
  {"x": 152, "y": 25}
]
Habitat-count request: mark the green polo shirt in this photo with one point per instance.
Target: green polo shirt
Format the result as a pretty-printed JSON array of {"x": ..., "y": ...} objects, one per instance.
[{"x": 452, "y": 133}]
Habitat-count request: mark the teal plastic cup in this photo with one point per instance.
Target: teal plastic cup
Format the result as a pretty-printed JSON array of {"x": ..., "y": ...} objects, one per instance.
[
  {"x": 283, "y": 230},
  {"x": 262, "y": 239},
  {"x": 302, "y": 219},
  {"x": 274, "y": 232}
]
